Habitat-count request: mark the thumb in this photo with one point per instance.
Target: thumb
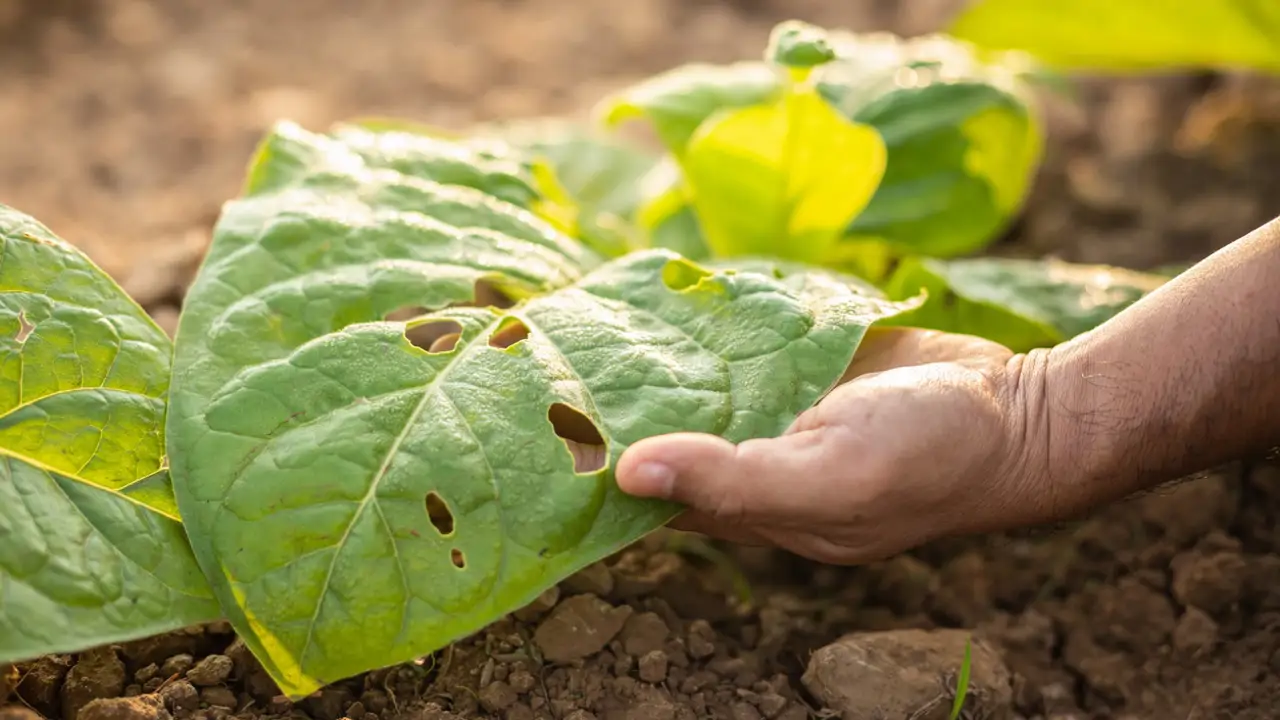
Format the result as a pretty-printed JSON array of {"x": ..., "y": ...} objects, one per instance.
[{"x": 756, "y": 478}]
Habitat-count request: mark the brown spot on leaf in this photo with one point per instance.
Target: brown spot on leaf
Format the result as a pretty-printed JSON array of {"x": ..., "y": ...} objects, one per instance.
[
  {"x": 581, "y": 436},
  {"x": 459, "y": 560}
]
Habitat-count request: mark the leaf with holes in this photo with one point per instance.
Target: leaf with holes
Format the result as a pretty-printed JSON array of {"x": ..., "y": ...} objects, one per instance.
[
  {"x": 90, "y": 548},
  {"x": 363, "y": 491},
  {"x": 1022, "y": 304}
]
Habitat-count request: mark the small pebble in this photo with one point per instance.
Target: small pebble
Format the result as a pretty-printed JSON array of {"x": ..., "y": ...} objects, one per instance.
[
  {"x": 180, "y": 696},
  {"x": 177, "y": 665},
  {"x": 653, "y": 666},
  {"x": 210, "y": 671},
  {"x": 219, "y": 697}
]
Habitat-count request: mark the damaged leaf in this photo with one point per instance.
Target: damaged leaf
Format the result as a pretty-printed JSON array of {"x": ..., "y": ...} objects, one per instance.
[{"x": 361, "y": 493}]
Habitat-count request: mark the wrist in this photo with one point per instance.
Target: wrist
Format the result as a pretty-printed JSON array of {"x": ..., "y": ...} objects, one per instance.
[{"x": 1078, "y": 424}]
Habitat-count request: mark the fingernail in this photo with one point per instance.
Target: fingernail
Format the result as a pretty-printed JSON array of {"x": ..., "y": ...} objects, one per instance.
[{"x": 653, "y": 479}]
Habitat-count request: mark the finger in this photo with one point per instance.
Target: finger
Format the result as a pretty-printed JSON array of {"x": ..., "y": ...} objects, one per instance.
[{"x": 733, "y": 484}]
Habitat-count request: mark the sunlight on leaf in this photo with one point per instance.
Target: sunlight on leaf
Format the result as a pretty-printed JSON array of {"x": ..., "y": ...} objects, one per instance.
[
  {"x": 782, "y": 179},
  {"x": 1022, "y": 304},
  {"x": 1130, "y": 36},
  {"x": 91, "y": 551},
  {"x": 678, "y": 101},
  {"x": 316, "y": 451}
]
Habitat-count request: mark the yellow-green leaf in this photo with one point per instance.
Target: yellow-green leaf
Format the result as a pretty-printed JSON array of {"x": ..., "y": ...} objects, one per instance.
[
  {"x": 783, "y": 178},
  {"x": 1130, "y": 35},
  {"x": 91, "y": 550}
]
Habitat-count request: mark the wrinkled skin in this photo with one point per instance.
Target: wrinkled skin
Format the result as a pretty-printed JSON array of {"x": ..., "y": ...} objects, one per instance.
[
  {"x": 845, "y": 484},
  {"x": 934, "y": 435}
]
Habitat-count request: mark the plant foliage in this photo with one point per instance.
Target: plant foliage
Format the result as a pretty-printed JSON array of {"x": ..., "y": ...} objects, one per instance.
[
  {"x": 1135, "y": 35},
  {"x": 410, "y": 360},
  {"x": 91, "y": 550},
  {"x": 312, "y": 439}
]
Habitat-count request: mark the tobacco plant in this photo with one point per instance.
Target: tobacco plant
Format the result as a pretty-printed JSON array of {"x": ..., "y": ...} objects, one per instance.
[{"x": 410, "y": 362}]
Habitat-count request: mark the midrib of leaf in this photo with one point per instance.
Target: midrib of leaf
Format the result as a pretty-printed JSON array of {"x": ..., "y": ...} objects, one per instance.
[
  {"x": 434, "y": 388},
  {"x": 118, "y": 492},
  {"x": 392, "y": 451}
]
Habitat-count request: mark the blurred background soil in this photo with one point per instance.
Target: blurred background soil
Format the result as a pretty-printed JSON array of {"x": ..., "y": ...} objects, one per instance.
[{"x": 126, "y": 123}]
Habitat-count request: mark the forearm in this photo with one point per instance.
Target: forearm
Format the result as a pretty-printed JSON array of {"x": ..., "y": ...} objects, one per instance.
[{"x": 1185, "y": 379}]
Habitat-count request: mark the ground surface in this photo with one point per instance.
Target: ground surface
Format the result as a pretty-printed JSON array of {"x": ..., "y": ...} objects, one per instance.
[{"x": 128, "y": 122}]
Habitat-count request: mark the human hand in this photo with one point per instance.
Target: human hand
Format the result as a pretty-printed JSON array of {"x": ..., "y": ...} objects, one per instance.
[{"x": 924, "y": 438}]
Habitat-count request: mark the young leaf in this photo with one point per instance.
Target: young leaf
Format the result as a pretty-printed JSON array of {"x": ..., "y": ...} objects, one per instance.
[
  {"x": 799, "y": 46},
  {"x": 678, "y": 101},
  {"x": 962, "y": 141},
  {"x": 91, "y": 551},
  {"x": 781, "y": 179},
  {"x": 962, "y": 682},
  {"x": 1021, "y": 304},
  {"x": 362, "y": 492},
  {"x": 1131, "y": 36}
]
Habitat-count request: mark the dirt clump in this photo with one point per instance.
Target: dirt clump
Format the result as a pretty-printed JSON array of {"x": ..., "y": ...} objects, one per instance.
[
  {"x": 579, "y": 627},
  {"x": 907, "y": 674},
  {"x": 98, "y": 673},
  {"x": 18, "y": 712},
  {"x": 210, "y": 670},
  {"x": 141, "y": 707}
]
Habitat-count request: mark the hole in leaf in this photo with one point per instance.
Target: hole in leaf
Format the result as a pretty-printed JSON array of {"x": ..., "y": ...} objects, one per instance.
[
  {"x": 459, "y": 561},
  {"x": 435, "y": 336},
  {"x": 439, "y": 514},
  {"x": 25, "y": 328},
  {"x": 581, "y": 436},
  {"x": 509, "y": 332},
  {"x": 681, "y": 274}
]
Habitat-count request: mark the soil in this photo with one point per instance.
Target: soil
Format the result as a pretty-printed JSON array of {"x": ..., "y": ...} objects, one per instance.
[{"x": 131, "y": 120}]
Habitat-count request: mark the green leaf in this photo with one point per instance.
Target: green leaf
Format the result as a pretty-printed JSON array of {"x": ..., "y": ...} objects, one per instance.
[
  {"x": 962, "y": 682},
  {"x": 962, "y": 142},
  {"x": 90, "y": 548},
  {"x": 797, "y": 274},
  {"x": 600, "y": 174},
  {"x": 1131, "y": 36},
  {"x": 588, "y": 180},
  {"x": 665, "y": 216},
  {"x": 781, "y": 179},
  {"x": 359, "y": 499},
  {"x": 1022, "y": 304},
  {"x": 678, "y": 101},
  {"x": 798, "y": 45}
]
